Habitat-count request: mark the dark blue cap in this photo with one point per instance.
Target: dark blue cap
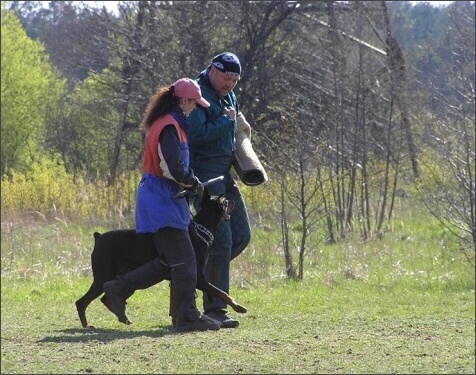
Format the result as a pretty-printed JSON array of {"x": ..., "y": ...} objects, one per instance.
[{"x": 227, "y": 62}]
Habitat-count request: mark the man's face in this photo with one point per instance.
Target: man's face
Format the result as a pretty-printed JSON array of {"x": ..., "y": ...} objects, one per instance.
[{"x": 221, "y": 82}]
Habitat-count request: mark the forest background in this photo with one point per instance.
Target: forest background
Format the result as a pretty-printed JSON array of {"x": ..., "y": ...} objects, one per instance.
[
  {"x": 363, "y": 115},
  {"x": 354, "y": 106}
]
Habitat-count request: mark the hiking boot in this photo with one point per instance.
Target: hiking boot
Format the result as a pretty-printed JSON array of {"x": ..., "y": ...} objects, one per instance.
[
  {"x": 224, "y": 320},
  {"x": 203, "y": 323},
  {"x": 114, "y": 301}
]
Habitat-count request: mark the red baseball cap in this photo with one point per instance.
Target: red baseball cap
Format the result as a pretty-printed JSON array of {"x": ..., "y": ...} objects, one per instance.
[{"x": 187, "y": 88}]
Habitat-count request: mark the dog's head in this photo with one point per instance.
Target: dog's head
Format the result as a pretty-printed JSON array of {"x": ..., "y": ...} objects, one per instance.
[
  {"x": 226, "y": 207},
  {"x": 213, "y": 210}
]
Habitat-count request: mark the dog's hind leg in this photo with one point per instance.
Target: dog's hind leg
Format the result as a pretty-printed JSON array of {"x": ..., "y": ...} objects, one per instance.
[
  {"x": 81, "y": 304},
  {"x": 102, "y": 267}
]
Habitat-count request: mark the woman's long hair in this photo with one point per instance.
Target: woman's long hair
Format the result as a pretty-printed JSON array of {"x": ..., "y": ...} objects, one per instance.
[{"x": 161, "y": 103}]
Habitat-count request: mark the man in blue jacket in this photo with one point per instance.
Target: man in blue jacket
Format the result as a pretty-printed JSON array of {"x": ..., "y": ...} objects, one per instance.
[{"x": 211, "y": 138}]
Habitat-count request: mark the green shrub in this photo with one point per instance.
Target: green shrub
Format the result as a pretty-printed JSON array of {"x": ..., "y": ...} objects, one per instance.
[{"x": 49, "y": 191}]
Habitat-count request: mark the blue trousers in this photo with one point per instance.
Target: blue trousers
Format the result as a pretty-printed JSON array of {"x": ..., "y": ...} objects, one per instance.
[{"x": 231, "y": 238}]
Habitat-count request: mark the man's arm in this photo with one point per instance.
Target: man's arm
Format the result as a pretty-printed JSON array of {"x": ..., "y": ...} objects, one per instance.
[{"x": 202, "y": 130}]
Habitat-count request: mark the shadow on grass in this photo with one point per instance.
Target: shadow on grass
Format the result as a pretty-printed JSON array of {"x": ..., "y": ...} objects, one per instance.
[{"x": 105, "y": 335}]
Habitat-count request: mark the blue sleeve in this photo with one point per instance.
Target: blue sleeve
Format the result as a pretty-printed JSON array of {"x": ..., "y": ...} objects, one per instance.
[{"x": 208, "y": 125}]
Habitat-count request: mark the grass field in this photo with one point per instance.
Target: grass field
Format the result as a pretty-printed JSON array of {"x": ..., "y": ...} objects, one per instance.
[
  {"x": 291, "y": 327},
  {"x": 404, "y": 304}
]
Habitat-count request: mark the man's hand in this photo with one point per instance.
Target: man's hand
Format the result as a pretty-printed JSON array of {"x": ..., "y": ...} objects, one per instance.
[{"x": 230, "y": 112}]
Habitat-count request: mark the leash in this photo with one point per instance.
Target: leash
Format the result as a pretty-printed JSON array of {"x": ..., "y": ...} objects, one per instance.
[
  {"x": 203, "y": 232},
  {"x": 203, "y": 185}
]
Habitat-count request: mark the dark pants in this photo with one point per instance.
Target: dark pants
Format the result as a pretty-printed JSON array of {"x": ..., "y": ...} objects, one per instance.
[
  {"x": 231, "y": 238},
  {"x": 176, "y": 260}
]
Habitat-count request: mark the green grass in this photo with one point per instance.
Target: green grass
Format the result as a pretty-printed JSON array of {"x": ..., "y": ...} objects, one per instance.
[
  {"x": 403, "y": 304},
  {"x": 291, "y": 327}
]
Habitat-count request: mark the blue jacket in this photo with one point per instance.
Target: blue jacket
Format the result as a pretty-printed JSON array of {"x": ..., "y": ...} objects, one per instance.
[{"x": 211, "y": 134}]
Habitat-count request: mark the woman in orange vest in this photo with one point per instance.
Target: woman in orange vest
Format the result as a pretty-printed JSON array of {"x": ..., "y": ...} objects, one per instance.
[{"x": 166, "y": 171}]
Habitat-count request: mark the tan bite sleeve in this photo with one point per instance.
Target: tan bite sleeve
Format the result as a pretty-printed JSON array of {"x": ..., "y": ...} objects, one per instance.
[{"x": 246, "y": 162}]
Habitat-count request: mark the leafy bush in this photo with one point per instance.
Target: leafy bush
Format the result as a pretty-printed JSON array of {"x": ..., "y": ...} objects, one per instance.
[{"x": 50, "y": 191}]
